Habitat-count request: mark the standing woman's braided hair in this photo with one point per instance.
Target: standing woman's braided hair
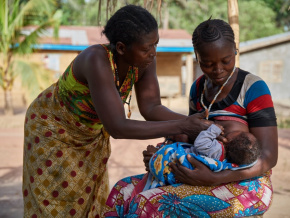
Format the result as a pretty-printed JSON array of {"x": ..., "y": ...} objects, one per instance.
[
  {"x": 128, "y": 24},
  {"x": 210, "y": 31}
]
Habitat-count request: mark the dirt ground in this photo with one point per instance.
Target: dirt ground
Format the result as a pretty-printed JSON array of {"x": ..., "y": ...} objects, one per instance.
[{"x": 125, "y": 160}]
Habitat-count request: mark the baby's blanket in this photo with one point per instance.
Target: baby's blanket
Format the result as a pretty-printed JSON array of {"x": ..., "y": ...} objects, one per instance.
[{"x": 159, "y": 170}]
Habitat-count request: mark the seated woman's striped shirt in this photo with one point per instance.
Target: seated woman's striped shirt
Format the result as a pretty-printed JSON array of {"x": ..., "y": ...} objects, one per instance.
[{"x": 249, "y": 99}]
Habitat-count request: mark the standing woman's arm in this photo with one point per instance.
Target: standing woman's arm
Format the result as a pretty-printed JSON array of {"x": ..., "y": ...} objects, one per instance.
[
  {"x": 148, "y": 97},
  {"x": 92, "y": 67}
]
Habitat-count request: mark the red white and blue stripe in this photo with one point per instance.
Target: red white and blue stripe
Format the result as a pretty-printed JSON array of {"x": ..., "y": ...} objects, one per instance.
[{"x": 249, "y": 99}]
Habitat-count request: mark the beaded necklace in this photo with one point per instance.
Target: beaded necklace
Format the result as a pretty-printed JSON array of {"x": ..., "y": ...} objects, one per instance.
[
  {"x": 207, "y": 109},
  {"x": 118, "y": 88}
]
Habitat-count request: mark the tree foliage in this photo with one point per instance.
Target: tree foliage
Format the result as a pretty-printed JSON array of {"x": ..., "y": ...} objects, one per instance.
[
  {"x": 282, "y": 12},
  {"x": 15, "y": 15},
  {"x": 253, "y": 22},
  {"x": 186, "y": 14}
]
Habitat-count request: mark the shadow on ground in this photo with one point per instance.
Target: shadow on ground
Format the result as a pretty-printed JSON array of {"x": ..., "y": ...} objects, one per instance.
[{"x": 11, "y": 193}]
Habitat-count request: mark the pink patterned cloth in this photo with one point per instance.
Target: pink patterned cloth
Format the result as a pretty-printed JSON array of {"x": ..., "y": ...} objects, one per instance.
[{"x": 237, "y": 199}]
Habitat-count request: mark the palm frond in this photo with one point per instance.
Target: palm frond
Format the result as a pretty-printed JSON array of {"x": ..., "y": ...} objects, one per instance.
[
  {"x": 33, "y": 11},
  {"x": 56, "y": 24},
  {"x": 35, "y": 78},
  {"x": 26, "y": 45},
  {"x": 74, "y": 5},
  {"x": 111, "y": 6}
]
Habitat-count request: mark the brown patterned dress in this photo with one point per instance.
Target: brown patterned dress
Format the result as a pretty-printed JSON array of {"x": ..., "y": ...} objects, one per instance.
[{"x": 66, "y": 150}]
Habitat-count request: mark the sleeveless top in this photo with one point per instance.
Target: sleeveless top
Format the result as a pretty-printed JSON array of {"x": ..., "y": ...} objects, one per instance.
[
  {"x": 249, "y": 100},
  {"x": 76, "y": 96}
]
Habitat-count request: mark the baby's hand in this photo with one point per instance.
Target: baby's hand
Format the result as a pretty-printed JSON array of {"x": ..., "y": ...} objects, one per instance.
[
  {"x": 152, "y": 148},
  {"x": 147, "y": 154}
]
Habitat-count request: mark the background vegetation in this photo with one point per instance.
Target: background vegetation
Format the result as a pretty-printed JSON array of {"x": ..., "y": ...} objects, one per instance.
[
  {"x": 257, "y": 18},
  {"x": 15, "y": 15}
]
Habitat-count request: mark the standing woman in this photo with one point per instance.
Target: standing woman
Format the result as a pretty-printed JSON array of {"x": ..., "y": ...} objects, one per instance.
[
  {"x": 67, "y": 127},
  {"x": 224, "y": 92}
]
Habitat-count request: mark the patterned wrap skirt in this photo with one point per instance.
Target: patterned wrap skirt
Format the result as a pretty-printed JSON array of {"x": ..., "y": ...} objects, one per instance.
[
  {"x": 237, "y": 199},
  {"x": 65, "y": 162}
]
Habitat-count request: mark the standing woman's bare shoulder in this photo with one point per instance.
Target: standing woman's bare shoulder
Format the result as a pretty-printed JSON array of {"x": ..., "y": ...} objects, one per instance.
[{"x": 91, "y": 63}]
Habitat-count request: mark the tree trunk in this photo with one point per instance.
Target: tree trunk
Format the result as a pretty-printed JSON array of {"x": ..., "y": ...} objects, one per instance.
[
  {"x": 166, "y": 17},
  {"x": 233, "y": 16},
  {"x": 7, "y": 84},
  {"x": 8, "y": 106}
]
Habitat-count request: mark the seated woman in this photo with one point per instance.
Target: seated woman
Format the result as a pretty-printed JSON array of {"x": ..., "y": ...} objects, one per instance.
[{"x": 224, "y": 92}]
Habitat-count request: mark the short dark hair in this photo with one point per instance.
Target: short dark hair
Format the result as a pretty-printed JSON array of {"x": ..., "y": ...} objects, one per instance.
[
  {"x": 243, "y": 149},
  {"x": 210, "y": 31},
  {"x": 128, "y": 24}
]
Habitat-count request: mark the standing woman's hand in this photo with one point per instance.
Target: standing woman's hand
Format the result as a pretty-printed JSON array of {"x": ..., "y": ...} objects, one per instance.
[{"x": 194, "y": 124}]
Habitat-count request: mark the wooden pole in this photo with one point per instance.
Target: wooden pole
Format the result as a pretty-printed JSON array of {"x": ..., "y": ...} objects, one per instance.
[{"x": 233, "y": 16}]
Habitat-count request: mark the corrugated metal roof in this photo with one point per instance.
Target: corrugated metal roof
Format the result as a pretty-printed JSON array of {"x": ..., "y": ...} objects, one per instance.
[
  {"x": 76, "y": 38},
  {"x": 264, "y": 42}
]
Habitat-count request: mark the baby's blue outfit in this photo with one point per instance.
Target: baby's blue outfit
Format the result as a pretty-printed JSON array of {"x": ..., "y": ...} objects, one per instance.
[{"x": 206, "y": 149}]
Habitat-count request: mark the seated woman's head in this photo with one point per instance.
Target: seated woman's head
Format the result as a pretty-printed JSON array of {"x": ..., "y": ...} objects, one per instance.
[
  {"x": 242, "y": 148},
  {"x": 215, "y": 49}
]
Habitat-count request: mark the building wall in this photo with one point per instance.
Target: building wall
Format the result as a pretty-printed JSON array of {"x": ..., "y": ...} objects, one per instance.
[
  {"x": 169, "y": 64},
  {"x": 169, "y": 73},
  {"x": 272, "y": 65},
  {"x": 57, "y": 60}
]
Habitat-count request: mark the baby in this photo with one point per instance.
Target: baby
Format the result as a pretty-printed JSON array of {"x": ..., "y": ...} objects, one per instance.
[
  {"x": 241, "y": 147},
  {"x": 241, "y": 150}
]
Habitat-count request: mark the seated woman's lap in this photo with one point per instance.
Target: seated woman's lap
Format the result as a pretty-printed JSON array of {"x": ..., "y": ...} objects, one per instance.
[{"x": 237, "y": 199}]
